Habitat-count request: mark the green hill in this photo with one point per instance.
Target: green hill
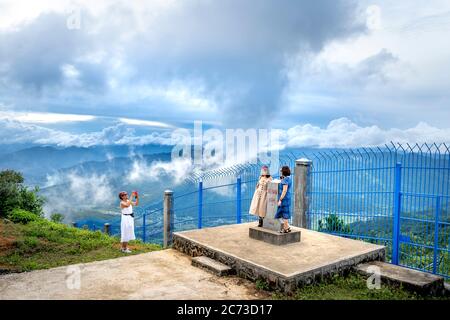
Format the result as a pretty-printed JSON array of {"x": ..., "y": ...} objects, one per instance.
[{"x": 42, "y": 244}]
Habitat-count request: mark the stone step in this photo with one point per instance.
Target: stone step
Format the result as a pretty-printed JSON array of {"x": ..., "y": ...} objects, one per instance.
[
  {"x": 213, "y": 266},
  {"x": 413, "y": 280}
]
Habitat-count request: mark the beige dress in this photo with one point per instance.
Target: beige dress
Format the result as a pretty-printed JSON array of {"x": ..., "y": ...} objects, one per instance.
[{"x": 258, "y": 207}]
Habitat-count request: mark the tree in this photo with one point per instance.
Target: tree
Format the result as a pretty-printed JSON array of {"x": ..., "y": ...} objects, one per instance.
[
  {"x": 11, "y": 176},
  {"x": 15, "y": 195},
  {"x": 57, "y": 217}
]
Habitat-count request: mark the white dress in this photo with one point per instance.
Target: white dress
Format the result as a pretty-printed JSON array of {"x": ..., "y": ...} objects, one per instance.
[{"x": 127, "y": 225}]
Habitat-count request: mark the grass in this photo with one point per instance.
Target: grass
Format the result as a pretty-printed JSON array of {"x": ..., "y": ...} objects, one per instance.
[
  {"x": 351, "y": 287},
  {"x": 43, "y": 244},
  {"x": 262, "y": 285}
]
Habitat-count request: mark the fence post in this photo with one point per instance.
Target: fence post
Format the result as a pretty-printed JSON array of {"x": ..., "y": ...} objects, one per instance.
[
  {"x": 436, "y": 234},
  {"x": 301, "y": 201},
  {"x": 397, "y": 210},
  {"x": 200, "y": 204},
  {"x": 168, "y": 218},
  {"x": 107, "y": 228},
  {"x": 238, "y": 201},
  {"x": 143, "y": 227}
]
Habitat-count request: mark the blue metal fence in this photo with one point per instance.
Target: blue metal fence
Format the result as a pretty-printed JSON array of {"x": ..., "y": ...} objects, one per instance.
[{"x": 396, "y": 195}]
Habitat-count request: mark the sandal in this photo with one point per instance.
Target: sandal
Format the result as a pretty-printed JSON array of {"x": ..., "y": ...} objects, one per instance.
[{"x": 286, "y": 230}]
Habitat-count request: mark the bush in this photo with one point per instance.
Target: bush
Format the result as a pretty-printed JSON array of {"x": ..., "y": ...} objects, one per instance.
[
  {"x": 262, "y": 285},
  {"x": 57, "y": 217},
  {"x": 31, "y": 201},
  {"x": 334, "y": 224},
  {"x": 13, "y": 194},
  {"x": 22, "y": 216}
]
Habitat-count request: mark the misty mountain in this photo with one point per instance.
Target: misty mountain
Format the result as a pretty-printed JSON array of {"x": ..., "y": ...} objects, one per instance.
[
  {"x": 37, "y": 162},
  {"x": 90, "y": 188}
]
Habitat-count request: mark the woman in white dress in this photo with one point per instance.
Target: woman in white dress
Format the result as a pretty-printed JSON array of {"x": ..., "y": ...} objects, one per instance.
[{"x": 127, "y": 223}]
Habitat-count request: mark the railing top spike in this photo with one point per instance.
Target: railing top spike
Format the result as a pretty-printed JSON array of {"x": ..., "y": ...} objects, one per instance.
[
  {"x": 401, "y": 147},
  {"x": 359, "y": 151},
  {"x": 438, "y": 148},
  {"x": 428, "y": 147},
  {"x": 394, "y": 146},
  {"x": 410, "y": 148},
  {"x": 446, "y": 148}
]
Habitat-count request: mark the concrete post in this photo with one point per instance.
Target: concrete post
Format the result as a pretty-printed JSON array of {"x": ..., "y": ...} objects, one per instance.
[
  {"x": 301, "y": 201},
  {"x": 168, "y": 218},
  {"x": 107, "y": 228}
]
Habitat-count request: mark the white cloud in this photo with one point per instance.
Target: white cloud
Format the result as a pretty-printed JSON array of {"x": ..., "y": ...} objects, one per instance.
[
  {"x": 177, "y": 170},
  {"x": 15, "y": 13},
  {"x": 343, "y": 133},
  {"x": 70, "y": 71},
  {"x": 145, "y": 123},
  {"x": 83, "y": 192},
  {"x": 12, "y": 131},
  {"x": 94, "y": 189},
  {"x": 44, "y": 117}
]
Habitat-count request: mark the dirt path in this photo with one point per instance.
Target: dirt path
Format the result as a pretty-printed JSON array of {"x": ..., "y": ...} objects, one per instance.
[{"x": 165, "y": 274}]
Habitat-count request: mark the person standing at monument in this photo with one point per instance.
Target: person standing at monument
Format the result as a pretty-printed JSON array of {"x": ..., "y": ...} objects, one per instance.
[
  {"x": 284, "y": 202},
  {"x": 258, "y": 206}
]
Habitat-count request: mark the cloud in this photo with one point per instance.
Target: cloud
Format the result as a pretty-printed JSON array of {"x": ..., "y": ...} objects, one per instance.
[
  {"x": 343, "y": 133},
  {"x": 376, "y": 77},
  {"x": 95, "y": 188},
  {"x": 319, "y": 87},
  {"x": 12, "y": 131},
  {"x": 44, "y": 117},
  {"x": 144, "y": 123},
  {"x": 194, "y": 60},
  {"x": 240, "y": 55},
  {"x": 176, "y": 170},
  {"x": 83, "y": 192},
  {"x": 239, "y": 64},
  {"x": 340, "y": 132},
  {"x": 34, "y": 61}
]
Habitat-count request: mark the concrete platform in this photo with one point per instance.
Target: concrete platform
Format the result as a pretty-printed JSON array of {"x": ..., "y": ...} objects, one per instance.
[
  {"x": 274, "y": 237},
  {"x": 285, "y": 267},
  {"x": 413, "y": 280}
]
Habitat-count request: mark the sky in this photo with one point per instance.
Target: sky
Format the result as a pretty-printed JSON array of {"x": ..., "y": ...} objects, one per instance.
[{"x": 327, "y": 72}]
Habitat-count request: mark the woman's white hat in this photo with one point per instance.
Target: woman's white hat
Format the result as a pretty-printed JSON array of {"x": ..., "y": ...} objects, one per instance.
[{"x": 265, "y": 171}]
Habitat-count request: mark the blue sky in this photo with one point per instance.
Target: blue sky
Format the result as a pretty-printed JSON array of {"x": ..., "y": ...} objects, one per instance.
[{"x": 351, "y": 72}]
